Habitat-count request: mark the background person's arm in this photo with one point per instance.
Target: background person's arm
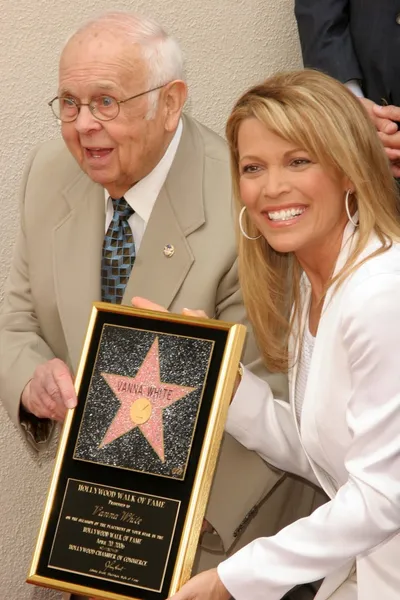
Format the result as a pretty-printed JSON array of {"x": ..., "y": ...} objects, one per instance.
[{"x": 325, "y": 38}]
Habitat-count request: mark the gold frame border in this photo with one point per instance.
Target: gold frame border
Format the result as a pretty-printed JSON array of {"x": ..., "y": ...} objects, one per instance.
[
  {"x": 208, "y": 454},
  {"x": 208, "y": 457}
]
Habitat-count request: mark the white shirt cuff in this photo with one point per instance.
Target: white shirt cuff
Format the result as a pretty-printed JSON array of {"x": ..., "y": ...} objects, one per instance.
[{"x": 355, "y": 87}]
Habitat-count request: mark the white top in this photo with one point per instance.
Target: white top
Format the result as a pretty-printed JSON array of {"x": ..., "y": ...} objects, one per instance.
[
  {"x": 350, "y": 430},
  {"x": 307, "y": 348},
  {"x": 143, "y": 195}
]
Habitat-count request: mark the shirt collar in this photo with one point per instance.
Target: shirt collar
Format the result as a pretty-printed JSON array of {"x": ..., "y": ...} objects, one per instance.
[{"x": 143, "y": 195}]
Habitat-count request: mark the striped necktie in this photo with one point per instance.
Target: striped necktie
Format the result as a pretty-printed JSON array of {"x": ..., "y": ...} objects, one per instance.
[{"x": 118, "y": 253}]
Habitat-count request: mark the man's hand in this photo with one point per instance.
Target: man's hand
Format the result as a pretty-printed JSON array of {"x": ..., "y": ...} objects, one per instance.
[
  {"x": 393, "y": 154},
  {"x": 390, "y": 112},
  {"x": 381, "y": 119},
  {"x": 205, "y": 586},
  {"x": 50, "y": 392}
]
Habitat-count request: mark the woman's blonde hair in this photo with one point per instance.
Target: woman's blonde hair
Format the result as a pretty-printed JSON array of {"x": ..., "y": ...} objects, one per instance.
[{"x": 318, "y": 114}]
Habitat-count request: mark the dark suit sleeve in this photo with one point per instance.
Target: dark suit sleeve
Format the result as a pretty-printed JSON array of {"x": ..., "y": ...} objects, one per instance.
[{"x": 325, "y": 37}]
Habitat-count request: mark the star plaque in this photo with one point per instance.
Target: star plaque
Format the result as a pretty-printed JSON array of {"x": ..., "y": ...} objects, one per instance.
[
  {"x": 143, "y": 399},
  {"x": 143, "y": 402},
  {"x": 137, "y": 454}
]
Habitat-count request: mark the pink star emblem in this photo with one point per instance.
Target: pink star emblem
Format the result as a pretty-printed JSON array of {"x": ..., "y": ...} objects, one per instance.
[{"x": 143, "y": 399}]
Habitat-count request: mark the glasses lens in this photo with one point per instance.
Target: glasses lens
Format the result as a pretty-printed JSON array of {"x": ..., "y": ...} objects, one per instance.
[
  {"x": 64, "y": 109},
  {"x": 105, "y": 107}
]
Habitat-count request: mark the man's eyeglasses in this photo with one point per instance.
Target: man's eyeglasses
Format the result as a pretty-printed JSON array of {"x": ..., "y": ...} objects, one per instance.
[{"x": 104, "y": 108}]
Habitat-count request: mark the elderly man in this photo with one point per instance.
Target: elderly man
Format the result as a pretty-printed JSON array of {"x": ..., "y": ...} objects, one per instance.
[{"x": 132, "y": 169}]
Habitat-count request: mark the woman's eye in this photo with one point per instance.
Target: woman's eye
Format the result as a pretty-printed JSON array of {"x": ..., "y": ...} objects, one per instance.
[
  {"x": 300, "y": 162},
  {"x": 250, "y": 169}
]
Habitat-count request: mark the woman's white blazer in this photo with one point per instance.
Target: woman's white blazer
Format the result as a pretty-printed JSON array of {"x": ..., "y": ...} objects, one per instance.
[{"x": 348, "y": 443}]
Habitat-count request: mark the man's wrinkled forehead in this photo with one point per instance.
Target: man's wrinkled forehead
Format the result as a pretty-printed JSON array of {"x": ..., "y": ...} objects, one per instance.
[
  {"x": 98, "y": 47},
  {"x": 100, "y": 42}
]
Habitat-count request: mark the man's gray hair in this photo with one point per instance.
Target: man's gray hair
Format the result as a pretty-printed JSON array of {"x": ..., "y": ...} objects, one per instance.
[{"x": 160, "y": 51}]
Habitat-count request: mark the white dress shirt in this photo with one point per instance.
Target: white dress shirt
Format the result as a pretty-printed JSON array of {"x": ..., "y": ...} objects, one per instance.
[
  {"x": 355, "y": 87},
  {"x": 143, "y": 195}
]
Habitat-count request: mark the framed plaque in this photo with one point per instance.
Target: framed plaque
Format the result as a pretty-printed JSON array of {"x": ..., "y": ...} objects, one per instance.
[{"x": 137, "y": 455}]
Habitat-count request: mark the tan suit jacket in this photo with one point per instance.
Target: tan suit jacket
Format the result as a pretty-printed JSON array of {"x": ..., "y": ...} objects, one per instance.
[{"x": 55, "y": 277}]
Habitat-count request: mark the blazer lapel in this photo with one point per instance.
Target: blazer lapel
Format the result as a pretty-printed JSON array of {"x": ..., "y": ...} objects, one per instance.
[
  {"x": 77, "y": 240},
  {"x": 178, "y": 211}
]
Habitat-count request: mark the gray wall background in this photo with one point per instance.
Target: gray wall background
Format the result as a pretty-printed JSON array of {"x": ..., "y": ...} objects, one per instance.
[{"x": 228, "y": 44}]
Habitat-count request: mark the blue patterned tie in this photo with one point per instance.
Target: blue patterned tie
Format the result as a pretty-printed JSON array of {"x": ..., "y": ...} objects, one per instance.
[{"x": 118, "y": 253}]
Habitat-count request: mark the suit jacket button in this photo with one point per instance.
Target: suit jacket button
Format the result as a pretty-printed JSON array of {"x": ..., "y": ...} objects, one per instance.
[{"x": 398, "y": 18}]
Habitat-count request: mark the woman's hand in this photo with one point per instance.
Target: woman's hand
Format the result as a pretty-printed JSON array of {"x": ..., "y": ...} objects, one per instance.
[
  {"x": 205, "y": 586},
  {"x": 138, "y": 302}
]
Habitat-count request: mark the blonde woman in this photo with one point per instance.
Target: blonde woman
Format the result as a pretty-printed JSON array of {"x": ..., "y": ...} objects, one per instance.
[{"x": 320, "y": 272}]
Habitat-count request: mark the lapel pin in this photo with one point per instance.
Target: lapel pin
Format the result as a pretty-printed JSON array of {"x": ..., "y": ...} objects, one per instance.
[{"x": 169, "y": 250}]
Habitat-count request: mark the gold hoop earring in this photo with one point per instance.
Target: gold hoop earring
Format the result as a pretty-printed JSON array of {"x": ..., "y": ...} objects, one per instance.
[
  {"x": 346, "y": 203},
  {"x": 242, "y": 229}
]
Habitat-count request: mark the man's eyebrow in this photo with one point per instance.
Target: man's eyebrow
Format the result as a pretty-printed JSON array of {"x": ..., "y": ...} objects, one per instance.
[
  {"x": 99, "y": 85},
  {"x": 105, "y": 85}
]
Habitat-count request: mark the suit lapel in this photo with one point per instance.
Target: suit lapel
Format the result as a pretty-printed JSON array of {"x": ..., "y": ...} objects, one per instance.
[
  {"x": 77, "y": 240},
  {"x": 155, "y": 276},
  {"x": 178, "y": 211}
]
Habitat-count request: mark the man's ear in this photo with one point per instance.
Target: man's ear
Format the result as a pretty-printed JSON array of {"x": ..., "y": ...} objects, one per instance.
[{"x": 175, "y": 94}]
